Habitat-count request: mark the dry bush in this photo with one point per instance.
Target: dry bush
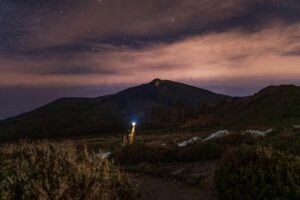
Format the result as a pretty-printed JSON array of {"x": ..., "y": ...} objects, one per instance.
[
  {"x": 199, "y": 151},
  {"x": 258, "y": 173},
  {"x": 141, "y": 152},
  {"x": 44, "y": 170},
  {"x": 237, "y": 139},
  {"x": 288, "y": 142}
]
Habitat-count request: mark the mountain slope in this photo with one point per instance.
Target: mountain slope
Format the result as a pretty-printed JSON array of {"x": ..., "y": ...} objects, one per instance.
[
  {"x": 156, "y": 104},
  {"x": 271, "y": 105},
  {"x": 169, "y": 92}
]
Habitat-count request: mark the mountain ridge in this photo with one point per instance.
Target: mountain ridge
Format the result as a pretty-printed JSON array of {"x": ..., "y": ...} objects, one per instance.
[
  {"x": 158, "y": 103},
  {"x": 271, "y": 106}
]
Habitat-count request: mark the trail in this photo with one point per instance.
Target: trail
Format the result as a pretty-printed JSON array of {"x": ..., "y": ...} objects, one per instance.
[{"x": 153, "y": 188}]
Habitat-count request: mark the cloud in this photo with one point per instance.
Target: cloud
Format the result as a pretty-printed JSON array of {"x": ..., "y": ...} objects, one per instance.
[
  {"x": 49, "y": 24},
  {"x": 294, "y": 52},
  {"x": 226, "y": 59},
  {"x": 112, "y": 41},
  {"x": 232, "y": 46},
  {"x": 78, "y": 70}
]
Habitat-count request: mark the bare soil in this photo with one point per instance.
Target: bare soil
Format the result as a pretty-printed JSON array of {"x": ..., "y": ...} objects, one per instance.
[
  {"x": 157, "y": 188},
  {"x": 152, "y": 188}
]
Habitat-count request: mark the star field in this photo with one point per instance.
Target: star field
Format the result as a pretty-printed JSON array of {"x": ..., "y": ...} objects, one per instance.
[{"x": 54, "y": 48}]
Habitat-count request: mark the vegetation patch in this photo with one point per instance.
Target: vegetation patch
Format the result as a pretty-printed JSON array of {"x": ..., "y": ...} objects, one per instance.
[
  {"x": 141, "y": 152},
  {"x": 258, "y": 173},
  {"x": 44, "y": 170},
  {"x": 288, "y": 142},
  {"x": 237, "y": 139},
  {"x": 199, "y": 152}
]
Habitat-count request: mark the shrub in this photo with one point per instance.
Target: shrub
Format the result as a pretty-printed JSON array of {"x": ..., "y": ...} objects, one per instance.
[
  {"x": 286, "y": 142},
  {"x": 199, "y": 152},
  {"x": 139, "y": 152},
  {"x": 237, "y": 139},
  {"x": 44, "y": 170},
  {"x": 258, "y": 173}
]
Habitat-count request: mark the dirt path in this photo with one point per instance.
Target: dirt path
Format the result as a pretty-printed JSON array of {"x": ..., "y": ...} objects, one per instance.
[{"x": 153, "y": 188}]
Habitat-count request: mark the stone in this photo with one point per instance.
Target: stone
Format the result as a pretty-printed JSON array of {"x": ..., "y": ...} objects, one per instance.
[{"x": 177, "y": 172}]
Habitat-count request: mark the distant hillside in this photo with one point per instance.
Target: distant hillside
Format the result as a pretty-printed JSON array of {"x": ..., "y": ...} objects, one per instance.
[
  {"x": 272, "y": 106},
  {"x": 159, "y": 103}
]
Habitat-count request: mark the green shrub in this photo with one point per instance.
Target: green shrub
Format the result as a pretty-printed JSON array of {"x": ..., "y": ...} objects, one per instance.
[
  {"x": 258, "y": 173},
  {"x": 44, "y": 170}
]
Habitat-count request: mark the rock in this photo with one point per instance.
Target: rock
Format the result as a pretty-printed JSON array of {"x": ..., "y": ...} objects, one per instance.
[
  {"x": 103, "y": 155},
  {"x": 296, "y": 126},
  {"x": 217, "y": 134},
  {"x": 177, "y": 172},
  {"x": 188, "y": 142},
  {"x": 258, "y": 133}
]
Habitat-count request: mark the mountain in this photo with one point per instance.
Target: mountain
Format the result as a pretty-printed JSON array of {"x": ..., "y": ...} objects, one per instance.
[
  {"x": 160, "y": 103},
  {"x": 271, "y": 106}
]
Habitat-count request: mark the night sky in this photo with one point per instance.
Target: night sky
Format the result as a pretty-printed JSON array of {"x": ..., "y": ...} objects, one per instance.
[{"x": 57, "y": 48}]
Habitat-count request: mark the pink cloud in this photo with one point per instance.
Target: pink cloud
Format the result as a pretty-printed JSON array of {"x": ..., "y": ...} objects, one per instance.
[{"x": 216, "y": 59}]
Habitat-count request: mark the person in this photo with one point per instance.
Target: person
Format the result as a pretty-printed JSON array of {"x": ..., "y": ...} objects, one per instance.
[
  {"x": 128, "y": 138},
  {"x": 125, "y": 141}
]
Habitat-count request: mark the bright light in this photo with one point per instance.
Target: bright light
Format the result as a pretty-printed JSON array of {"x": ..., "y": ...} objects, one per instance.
[{"x": 133, "y": 123}]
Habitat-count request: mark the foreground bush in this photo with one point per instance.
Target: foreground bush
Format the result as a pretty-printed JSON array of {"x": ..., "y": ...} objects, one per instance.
[
  {"x": 45, "y": 170},
  {"x": 258, "y": 173},
  {"x": 286, "y": 142},
  {"x": 199, "y": 152},
  {"x": 140, "y": 152},
  {"x": 237, "y": 139}
]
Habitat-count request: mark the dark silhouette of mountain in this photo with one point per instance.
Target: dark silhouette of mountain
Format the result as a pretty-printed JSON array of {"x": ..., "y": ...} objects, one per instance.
[
  {"x": 271, "y": 105},
  {"x": 160, "y": 103}
]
